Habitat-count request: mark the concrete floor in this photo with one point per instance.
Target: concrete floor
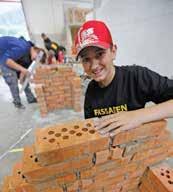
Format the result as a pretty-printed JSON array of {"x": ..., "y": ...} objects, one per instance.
[{"x": 17, "y": 127}]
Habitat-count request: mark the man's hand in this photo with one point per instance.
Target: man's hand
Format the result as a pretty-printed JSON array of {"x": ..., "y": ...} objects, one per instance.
[
  {"x": 24, "y": 71},
  {"x": 23, "y": 74},
  {"x": 115, "y": 123}
]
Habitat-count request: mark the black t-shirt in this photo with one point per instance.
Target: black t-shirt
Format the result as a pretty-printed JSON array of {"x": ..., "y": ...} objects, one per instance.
[
  {"x": 25, "y": 61},
  {"x": 47, "y": 43},
  {"x": 131, "y": 88}
]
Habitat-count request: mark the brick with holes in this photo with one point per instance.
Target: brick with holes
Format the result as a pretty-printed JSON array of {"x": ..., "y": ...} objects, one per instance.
[
  {"x": 158, "y": 178},
  {"x": 36, "y": 173},
  {"x": 68, "y": 141},
  {"x": 17, "y": 181}
]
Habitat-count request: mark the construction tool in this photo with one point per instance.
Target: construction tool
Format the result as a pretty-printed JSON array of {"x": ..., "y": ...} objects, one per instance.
[{"x": 31, "y": 69}]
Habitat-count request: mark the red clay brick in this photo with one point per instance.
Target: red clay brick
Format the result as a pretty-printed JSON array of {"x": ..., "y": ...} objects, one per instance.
[
  {"x": 6, "y": 187},
  {"x": 35, "y": 173},
  {"x": 17, "y": 182},
  {"x": 146, "y": 144},
  {"x": 66, "y": 179},
  {"x": 57, "y": 84},
  {"x": 102, "y": 156},
  {"x": 66, "y": 163},
  {"x": 146, "y": 130},
  {"x": 116, "y": 152},
  {"x": 67, "y": 141},
  {"x": 54, "y": 190},
  {"x": 158, "y": 178},
  {"x": 74, "y": 186}
]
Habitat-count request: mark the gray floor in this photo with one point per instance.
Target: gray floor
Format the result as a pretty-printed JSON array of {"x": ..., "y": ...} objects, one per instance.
[{"x": 17, "y": 127}]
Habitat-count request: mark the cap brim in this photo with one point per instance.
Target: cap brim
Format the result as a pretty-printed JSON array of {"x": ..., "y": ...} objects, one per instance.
[{"x": 102, "y": 45}]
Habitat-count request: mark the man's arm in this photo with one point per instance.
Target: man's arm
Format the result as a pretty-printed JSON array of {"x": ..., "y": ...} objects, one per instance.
[
  {"x": 122, "y": 121},
  {"x": 151, "y": 86},
  {"x": 156, "y": 112},
  {"x": 12, "y": 64}
]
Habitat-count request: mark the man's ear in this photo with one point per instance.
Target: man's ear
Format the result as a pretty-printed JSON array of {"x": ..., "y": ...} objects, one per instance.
[{"x": 114, "y": 51}]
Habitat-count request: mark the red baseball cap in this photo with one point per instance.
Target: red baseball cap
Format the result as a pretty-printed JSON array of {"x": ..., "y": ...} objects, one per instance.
[{"x": 93, "y": 33}]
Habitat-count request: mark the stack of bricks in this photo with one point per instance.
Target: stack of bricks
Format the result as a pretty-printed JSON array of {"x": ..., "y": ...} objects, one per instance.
[
  {"x": 74, "y": 157},
  {"x": 57, "y": 88},
  {"x": 158, "y": 178}
]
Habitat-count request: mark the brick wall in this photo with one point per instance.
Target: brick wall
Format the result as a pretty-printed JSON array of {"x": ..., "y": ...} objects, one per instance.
[
  {"x": 57, "y": 88},
  {"x": 73, "y": 157}
]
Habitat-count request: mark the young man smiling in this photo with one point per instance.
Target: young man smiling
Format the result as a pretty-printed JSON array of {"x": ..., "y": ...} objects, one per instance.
[{"x": 122, "y": 91}]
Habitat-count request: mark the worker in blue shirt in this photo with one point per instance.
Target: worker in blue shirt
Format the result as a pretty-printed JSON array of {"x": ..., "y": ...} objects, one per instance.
[{"x": 16, "y": 54}]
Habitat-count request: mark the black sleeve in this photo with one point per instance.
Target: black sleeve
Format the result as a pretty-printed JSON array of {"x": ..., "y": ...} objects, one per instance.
[
  {"x": 154, "y": 87},
  {"x": 87, "y": 105}
]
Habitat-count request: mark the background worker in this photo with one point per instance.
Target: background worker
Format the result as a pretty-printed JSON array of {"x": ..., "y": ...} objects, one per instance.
[
  {"x": 51, "y": 59},
  {"x": 121, "y": 91},
  {"x": 59, "y": 51},
  {"x": 16, "y": 54}
]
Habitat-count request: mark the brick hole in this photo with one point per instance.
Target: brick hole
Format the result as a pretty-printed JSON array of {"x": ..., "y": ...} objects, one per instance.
[
  {"x": 23, "y": 176},
  {"x": 64, "y": 129},
  {"x": 168, "y": 176},
  {"x": 88, "y": 124},
  {"x": 19, "y": 172},
  {"x": 51, "y": 132},
  {"x": 31, "y": 156},
  {"x": 92, "y": 131},
  {"x": 57, "y": 134},
  {"x": 65, "y": 137},
  {"x": 76, "y": 127},
  {"x": 72, "y": 132},
  {"x": 36, "y": 159},
  {"x": 162, "y": 174},
  {"x": 167, "y": 171},
  {"x": 52, "y": 140},
  {"x": 84, "y": 129},
  {"x": 170, "y": 182},
  {"x": 79, "y": 134},
  {"x": 44, "y": 137}
]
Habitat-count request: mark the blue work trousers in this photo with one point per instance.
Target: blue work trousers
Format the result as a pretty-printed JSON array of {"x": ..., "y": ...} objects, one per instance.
[{"x": 10, "y": 77}]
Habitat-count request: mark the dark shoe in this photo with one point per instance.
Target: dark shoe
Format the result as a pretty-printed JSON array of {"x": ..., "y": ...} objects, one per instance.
[
  {"x": 19, "y": 105},
  {"x": 33, "y": 101}
]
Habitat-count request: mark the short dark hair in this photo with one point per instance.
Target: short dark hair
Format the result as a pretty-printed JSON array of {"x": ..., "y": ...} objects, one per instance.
[
  {"x": 43, "y": 35},
  {"x": 83, "y": 52}
]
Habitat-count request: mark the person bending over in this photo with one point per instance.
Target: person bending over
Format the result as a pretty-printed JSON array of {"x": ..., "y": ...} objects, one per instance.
[{"x": 16, "y": 54}]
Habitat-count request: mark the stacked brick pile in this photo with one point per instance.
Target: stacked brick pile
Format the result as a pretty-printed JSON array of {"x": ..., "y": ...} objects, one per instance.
[
  {"x": 158, "y": 178},
  {"x": 57, "y": 88},
  {"x": 73, "y": 157}
]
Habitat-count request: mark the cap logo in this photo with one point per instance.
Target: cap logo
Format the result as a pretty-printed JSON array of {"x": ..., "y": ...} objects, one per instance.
[{"x": 88, "y": 36}]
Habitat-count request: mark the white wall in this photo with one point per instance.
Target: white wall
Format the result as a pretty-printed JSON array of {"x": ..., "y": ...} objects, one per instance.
[
  {"x": 45, "y": 16},
  {"x": 48, "y": 16},
  {"x": 143, "y": 31}
]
